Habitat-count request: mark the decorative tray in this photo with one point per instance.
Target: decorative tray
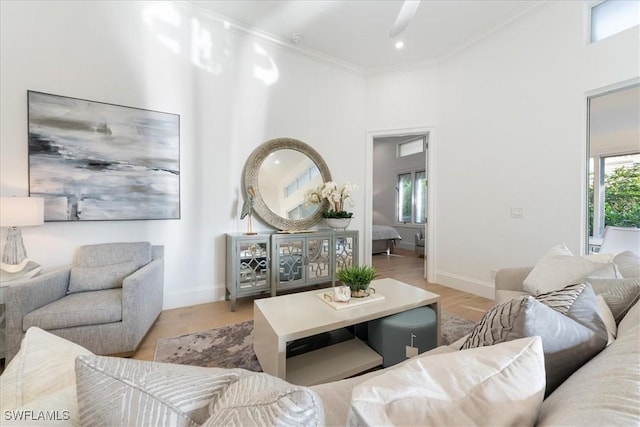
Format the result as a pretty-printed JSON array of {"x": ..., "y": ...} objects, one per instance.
[{"x": 327, "y": 297}]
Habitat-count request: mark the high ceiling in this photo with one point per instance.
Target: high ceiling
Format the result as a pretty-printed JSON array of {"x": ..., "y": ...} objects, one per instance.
[{"x": 357, "y": 31}]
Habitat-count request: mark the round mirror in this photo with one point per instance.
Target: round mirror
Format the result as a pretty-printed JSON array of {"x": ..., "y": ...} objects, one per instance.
[{"x": 281, "y": 171}]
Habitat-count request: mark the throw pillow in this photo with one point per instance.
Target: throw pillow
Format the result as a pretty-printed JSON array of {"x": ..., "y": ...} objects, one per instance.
[
  {"x": 115, "y": 391},
  {"x": 498, "y": 385},
  {"x": 83, "y": 279},
  {"x": 569, "y": 340},
  {"x": 620, "y": 294},
  {"x": 559, "y": 268},
  {"x": 628, "y": 264},
  {"x": 260, "y": 399},
  {"x": 34, "y": 374},
  {"x": 609, "y": 321}
]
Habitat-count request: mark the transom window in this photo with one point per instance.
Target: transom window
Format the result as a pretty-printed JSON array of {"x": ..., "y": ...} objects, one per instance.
[
  {"x": 611, "y": 17},
  {"x": 409, "y": 148}
]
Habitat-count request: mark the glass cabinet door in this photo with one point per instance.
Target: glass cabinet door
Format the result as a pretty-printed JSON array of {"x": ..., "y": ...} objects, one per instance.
[
  {"x": 344, "y": 251},
  {"x": 318, "y": 259},
  {"x": 254, "y": 265},
  {"x": 290, "y": 261}
]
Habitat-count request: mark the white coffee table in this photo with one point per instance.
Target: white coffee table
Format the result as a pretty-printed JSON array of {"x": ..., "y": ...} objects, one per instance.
[{"x": 282, "y": 319}]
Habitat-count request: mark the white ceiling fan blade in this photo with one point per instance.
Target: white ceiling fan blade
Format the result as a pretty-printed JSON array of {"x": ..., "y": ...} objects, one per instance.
[{"x": 408, "y": 10}]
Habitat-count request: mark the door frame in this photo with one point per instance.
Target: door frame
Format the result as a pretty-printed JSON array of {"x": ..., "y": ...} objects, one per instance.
[{"x": 430, "y": 162}]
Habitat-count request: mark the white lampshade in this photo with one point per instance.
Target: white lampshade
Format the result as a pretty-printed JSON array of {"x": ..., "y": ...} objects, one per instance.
[{"x": 21, "y": 211}]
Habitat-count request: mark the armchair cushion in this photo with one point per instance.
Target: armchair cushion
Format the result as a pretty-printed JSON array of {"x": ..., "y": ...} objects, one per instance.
[
  {"x": 114, "y": 253},
  {"x": 85, "y": 279},
  {"x": 79, "y": 309}
]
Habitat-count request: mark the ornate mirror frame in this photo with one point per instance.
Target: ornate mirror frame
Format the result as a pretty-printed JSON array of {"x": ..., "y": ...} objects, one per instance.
[{"x": 252, "y": 169}]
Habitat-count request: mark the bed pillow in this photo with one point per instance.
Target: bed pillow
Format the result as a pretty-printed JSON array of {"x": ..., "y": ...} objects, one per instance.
[
  {"x": 568, "y": 321},
  {"x": 83, "y": 279},
  {"x": 558, "y": 268},
  {"x": 499, "y": 385},
  {"x": 114, "y": 391}
]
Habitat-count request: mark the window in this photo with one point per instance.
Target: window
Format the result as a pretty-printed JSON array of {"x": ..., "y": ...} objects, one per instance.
[
  {"x": 411, "y": 147},
  {"x": 614, "y": 192},
  {"x": 301, "y": 180},
  {"x": 611, "y": 17},
  {"x": 412, "y": 197}
]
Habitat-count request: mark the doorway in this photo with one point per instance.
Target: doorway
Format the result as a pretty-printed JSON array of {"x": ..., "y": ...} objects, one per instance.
[
  {"x": 613, "y": 164},
  {"x": 400, "y": 190}
]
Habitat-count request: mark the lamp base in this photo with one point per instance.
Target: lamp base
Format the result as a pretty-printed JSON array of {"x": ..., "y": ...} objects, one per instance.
[
  {"x": 14, "y": 251},
  {"x": 25, "y": 270}
]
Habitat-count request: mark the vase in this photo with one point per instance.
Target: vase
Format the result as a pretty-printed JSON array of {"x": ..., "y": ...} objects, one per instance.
[
  {"x": 362, "y": 293},
  {"x": 338, "y": 223}
]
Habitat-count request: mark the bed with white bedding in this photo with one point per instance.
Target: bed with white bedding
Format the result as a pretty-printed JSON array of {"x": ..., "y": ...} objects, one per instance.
[{"x": 383, "y": 239}]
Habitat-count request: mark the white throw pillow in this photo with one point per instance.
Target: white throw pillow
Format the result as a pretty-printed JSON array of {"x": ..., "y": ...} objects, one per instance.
[
  {"x": 609, "y": 321},
  {"x": 558, "y": 268},
  {"x": 35, "y": 373},
  {"x": 497, "y": 385}
]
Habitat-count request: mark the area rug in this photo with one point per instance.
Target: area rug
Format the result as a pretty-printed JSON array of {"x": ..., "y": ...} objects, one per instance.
[{"x": 232, "y": 346}]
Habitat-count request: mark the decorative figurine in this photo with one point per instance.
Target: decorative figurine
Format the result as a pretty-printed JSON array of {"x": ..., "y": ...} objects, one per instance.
[{"x": 247, "y": 208}]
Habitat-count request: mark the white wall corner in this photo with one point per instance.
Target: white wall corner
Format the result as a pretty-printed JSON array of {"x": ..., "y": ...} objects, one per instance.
[
  {"x": 466, "y": 284},
  {"x": 200, "y": 295}
]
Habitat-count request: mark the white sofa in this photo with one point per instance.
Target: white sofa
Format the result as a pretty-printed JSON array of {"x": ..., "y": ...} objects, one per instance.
[{"x": 501, "y": 384}]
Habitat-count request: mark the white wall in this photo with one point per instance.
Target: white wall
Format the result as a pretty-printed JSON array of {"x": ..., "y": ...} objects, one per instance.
[
  {"x": 232, "y": 92},
  {"x": 511, "y": 132}
]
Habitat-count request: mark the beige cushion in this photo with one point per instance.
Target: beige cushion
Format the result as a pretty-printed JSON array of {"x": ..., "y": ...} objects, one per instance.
[
  {"x": 628, "y": 264},
  {"x": 336, "y": 396},
  {"x": 114, "y": 391},
  {"x": 606, "y": 391},
  {"x": 34, "y": 379},
  {"x": 498, "y": 385},
  {"x": 568, "y": 321},
  {"x": 263, "y": 400},
  {"x": 559, "y": 268},
  {"x": 84, "y": 279}
]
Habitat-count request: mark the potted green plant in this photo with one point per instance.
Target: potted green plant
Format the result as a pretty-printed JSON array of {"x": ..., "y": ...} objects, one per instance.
[{"x": 358, "y": 278}]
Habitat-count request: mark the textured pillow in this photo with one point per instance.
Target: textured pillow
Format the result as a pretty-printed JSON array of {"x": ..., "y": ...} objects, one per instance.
[
  {"x": 83, "y": 279},
  {"x": 498, "y": 385},
  {"x": 628, "y": 264},
  {"x": 34, "y": 374},
  {"x": 568, "y": 321},
  {"x": 559, "y": 268},
  {"x": 120, "y": 392},
  {"x": 263, "y": 400},
  {"x": 620, "y": 294}
]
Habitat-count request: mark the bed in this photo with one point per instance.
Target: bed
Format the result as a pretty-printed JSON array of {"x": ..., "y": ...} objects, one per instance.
[{"x": 383, "y": 239}]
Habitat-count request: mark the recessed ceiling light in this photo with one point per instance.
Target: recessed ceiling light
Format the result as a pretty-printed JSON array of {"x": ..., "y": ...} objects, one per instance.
[{"x": 399, "y": 44}]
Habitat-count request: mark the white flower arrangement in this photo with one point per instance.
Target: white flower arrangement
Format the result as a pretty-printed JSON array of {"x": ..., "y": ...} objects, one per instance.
[{"x": 336, "y": 195}]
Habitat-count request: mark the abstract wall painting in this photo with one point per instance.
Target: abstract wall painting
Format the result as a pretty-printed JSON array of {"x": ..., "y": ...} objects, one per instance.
[{"x": 93, "y": 161}]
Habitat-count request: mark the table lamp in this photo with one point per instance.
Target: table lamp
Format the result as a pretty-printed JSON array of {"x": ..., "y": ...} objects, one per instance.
[{"x": 18, "y": 212}]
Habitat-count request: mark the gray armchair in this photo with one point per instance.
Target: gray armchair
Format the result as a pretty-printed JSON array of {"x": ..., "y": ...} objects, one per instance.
[{"x": 106, "y": 302}]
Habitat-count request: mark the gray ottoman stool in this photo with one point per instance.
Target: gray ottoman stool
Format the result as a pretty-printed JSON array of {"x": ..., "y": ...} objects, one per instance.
[{"x": 389, "y": 336}]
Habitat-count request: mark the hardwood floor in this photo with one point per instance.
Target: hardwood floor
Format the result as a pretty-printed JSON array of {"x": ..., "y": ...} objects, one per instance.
[{"x": 403, "y": 266}]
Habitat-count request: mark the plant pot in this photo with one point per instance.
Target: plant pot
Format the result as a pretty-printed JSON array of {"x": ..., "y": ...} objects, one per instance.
[{"x": 338, "y": 223}]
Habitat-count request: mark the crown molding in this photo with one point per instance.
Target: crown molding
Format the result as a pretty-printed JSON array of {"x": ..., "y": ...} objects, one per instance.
[{"x": 230, "y": 25}]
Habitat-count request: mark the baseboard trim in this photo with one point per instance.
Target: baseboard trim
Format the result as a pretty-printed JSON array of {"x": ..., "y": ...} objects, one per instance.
[
  {"x": 466, "y": 284},
  {"x": 200, "y": 295}
]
